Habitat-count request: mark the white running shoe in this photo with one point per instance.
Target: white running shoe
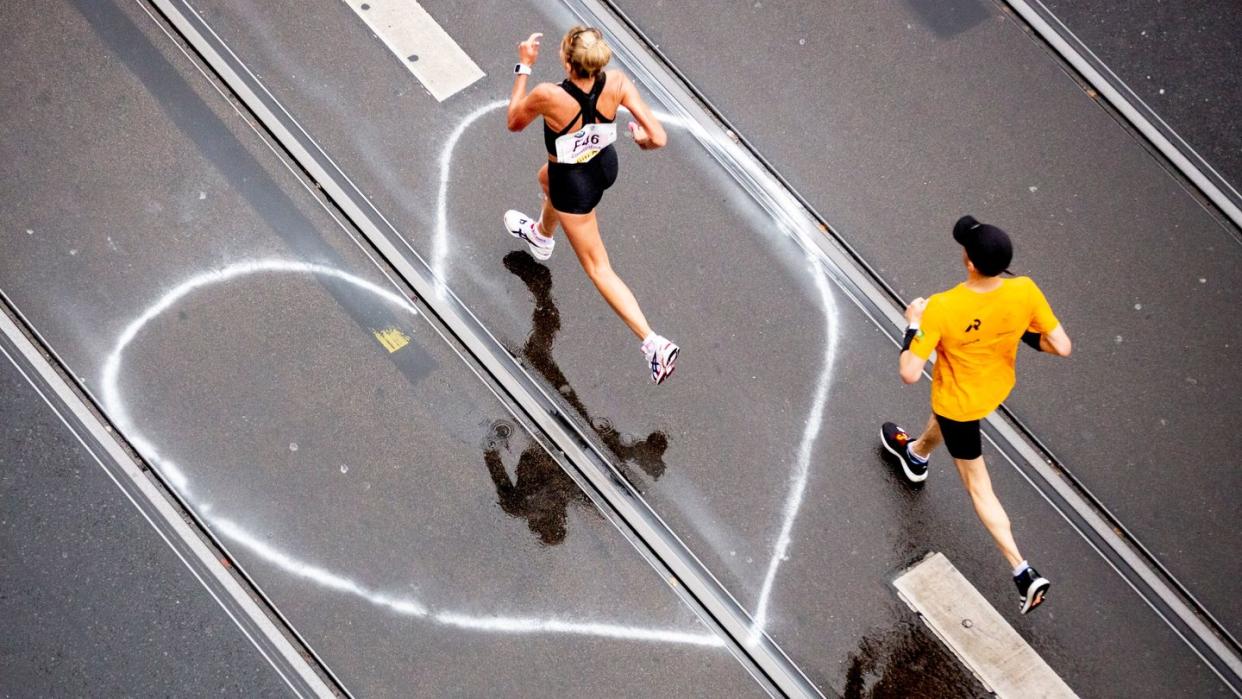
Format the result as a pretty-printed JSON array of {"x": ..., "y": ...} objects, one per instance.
[
  {"x": 522, "y": 226},
  {"x": 661, "y": 355}
]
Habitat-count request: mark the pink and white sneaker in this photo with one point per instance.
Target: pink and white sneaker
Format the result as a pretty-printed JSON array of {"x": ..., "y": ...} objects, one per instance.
[
  {"x": 661, "y": 355},
  {"x": 522, "y": 226}
]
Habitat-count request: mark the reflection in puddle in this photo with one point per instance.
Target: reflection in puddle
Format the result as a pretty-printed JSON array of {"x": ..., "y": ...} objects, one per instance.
[
  {"x": 647, "y": 453},
  {"x": 541, "y": 491},
  {"x": 907, "y": 662},
  {"x": 262, "y": 546}
]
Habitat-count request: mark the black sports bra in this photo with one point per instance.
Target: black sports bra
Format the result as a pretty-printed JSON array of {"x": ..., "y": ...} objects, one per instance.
[{"x": 586, "y": 103}]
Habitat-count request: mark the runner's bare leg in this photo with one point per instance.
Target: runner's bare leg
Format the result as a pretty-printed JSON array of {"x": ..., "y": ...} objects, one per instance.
[
  {"x": 929, "y": 440},
  {"x": 583, "y": 233},
  {"x": 979, "y": 485},
  {"x": 548, "y": 217}
]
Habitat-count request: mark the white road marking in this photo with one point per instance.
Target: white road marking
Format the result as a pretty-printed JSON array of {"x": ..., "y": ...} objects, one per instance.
[
  {"x": 854, "y": 281},
  {"x": 172, "y": 519},
  {"x": 420, "y": 43},
  {"x": 787, "y": 226},
  {"x": 779, "y": 670},
  {"x": 115, "y": 407},
  {"x": 976, "y": 633}
]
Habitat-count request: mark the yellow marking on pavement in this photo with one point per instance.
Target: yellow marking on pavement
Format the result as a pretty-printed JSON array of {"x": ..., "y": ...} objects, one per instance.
[{"x": 392, "y": 339}]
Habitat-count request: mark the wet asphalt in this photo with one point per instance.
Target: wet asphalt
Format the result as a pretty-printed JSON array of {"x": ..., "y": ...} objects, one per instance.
[
  {"x": 893, "y": 119},
  {"x": 91, "y": 597},
  {"x": 1182, "y": 59},
  {"x": 368, "y": 492},
  {"x": 717, "y": 453},
  {"x": 404, "y": 482}
]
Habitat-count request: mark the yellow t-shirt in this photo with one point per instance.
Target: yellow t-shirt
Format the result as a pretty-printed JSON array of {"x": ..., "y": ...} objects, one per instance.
[{"x": 976, "y": 338}]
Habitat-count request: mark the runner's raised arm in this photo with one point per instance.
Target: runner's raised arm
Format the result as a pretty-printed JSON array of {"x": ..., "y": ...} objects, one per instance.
[
  {"x": 910, "y": 364},
  {"x": 1056, "y": 342},
  {"x": 525, "y": 108}
]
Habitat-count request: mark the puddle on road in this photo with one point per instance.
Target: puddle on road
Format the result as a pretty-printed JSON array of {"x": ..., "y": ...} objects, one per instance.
[
  {"x": 907, "y": 661},
  {"x": 647, "y": 453},
  {"x": 540, "y": 491}
]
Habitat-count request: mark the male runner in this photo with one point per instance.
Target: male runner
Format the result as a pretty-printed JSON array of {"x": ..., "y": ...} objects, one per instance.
[{"x": 975, "y": 328}]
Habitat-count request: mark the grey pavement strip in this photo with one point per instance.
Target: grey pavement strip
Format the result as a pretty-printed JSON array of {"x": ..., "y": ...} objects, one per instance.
[
  {"x": 1180, "y": 611},
  {"x": 976, "y": 633},
  {"x": 202, "y": 563},
  {"x": 756, "y": 651},
  {"x": 1131, "y": 107},
  {"x": 420, "y": 44}
]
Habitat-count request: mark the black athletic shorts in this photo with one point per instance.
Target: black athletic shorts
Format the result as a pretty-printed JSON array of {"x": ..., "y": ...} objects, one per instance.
[
  {"x": 962, "y": 439},
  {"x": 577, "y": 188}
]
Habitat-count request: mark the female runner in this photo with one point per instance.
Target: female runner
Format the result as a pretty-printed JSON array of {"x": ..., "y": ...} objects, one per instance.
[{"x": 578, "y": 130}]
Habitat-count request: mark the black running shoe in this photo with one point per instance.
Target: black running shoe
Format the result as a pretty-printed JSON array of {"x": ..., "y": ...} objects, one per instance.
[
  {"x": 1031, "y": 588},
  {"x": 895, "y": 440}
]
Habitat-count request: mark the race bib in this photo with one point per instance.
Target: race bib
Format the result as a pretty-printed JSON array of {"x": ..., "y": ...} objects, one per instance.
[{"x": 586, "y": 143}]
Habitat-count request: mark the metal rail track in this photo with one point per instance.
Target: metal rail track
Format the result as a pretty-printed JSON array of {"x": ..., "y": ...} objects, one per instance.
[
  {"x": 1131, "y": 107},
  {"x": 571, "y": 444},
  {"x": 1055, "y": 482},
  {"x": 566, "y": 439}
]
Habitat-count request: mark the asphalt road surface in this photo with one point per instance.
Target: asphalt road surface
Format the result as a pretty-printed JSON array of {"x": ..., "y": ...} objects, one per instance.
[
  {"x": 922, "y": 112},
  {"x": 363, "y": 489},
  {"x": 1181, "y": 58},
  {"x": 386, "y": 497},
  {"x": 93, "y": 601}
]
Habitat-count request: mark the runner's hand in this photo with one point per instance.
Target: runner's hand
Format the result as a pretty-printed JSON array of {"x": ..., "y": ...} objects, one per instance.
[
  {"x": 528, "y": 51},
  {"x": 640, "y": 135},
  {"x": 914, "y": 312}
]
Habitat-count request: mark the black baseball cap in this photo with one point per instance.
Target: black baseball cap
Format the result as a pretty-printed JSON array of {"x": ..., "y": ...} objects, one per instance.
[{"x": 987, "y": 246}]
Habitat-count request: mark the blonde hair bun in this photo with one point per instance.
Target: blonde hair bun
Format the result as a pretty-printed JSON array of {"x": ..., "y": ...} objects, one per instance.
[{"x": 586, "y": 51}]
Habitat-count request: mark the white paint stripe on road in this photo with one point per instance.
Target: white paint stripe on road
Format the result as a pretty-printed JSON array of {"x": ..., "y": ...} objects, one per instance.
[
  {"x": 976, "y": 633},
  {"x": 420, "y": 43},
  {"x": 172, "y": 521}
]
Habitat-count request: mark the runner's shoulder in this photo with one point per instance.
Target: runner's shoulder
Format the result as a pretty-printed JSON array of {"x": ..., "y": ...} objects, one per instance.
[
  {"x": 943, "y": 297},
  {"x": 617, "y": 79},
  {"x": 1024, "y": 285},
  {"x": 543, "y": 91},
  {"x": 937, "y": 304}
]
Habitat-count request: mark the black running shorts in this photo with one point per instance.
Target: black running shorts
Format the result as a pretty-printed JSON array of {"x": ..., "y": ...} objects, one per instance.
[
  {"x": 962, "y": 439},
  {"x": 577, "y": 189}
]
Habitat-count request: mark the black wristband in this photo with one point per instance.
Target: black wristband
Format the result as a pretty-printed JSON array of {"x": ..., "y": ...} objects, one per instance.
[
  {"x": 905, "y": 342},
  {"x": 1032, "y": 339}
]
